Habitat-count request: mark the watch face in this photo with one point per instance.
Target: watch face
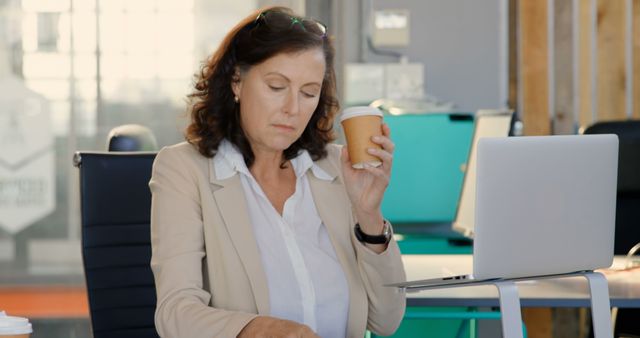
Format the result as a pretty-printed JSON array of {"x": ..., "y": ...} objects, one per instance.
[{"x": 387, "y": 230}]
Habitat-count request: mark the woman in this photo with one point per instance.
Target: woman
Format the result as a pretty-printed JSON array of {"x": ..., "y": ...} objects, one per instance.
[{"x": 253, "y": 218}]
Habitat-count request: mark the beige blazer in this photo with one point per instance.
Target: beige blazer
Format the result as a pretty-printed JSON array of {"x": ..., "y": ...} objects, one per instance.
[{"x": 205, "y": 260}]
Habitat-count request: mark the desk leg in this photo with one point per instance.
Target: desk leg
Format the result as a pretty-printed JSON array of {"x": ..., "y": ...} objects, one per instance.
[
  {"x": 600, "y": 305},
  {"x": 510, "y": 308}
]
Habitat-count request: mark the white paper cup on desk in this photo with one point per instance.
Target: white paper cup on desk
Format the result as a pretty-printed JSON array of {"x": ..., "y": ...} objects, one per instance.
[
  {"x": 359, "y": 125},
  {"x": 14, "y": 327}
]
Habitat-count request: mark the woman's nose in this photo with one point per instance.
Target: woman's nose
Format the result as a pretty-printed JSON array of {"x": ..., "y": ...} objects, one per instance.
[{"x": 292, "y": 104}]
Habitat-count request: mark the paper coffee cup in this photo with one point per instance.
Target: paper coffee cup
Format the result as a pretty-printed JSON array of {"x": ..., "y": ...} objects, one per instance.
[
  {"x": 359, "y": 125},
  {"x": 14, "y": 327}
]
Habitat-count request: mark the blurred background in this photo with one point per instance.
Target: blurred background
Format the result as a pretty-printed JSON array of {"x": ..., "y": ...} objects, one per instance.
[{"x": 72, "y": 70}]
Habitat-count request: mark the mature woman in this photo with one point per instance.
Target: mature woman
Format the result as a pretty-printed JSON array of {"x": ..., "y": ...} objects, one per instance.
[{"x": 254, "y": 217}]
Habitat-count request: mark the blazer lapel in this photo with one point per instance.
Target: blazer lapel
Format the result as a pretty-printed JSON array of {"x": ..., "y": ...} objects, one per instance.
[
  {"x": 229, "y": 197},
  {"x": 332, "y": 204},
  {"x": 334, "y": 208}
]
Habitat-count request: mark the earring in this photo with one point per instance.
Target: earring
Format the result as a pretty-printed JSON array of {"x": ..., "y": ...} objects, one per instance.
[{"x": 236, "y": 99}]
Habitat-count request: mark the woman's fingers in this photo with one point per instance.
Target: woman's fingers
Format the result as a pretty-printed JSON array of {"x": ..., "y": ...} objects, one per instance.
[
  {"x": 386, "y": 131},
  {"x": 265, "y": 327},
  {"x": 384, "y": 155},
  {"x": 385, "y": 142},
  {"x": 345, "y": 156},
  {"x": 378, "y": 172}
]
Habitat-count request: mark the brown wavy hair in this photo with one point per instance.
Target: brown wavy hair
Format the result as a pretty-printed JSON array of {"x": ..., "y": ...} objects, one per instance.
[{"x": 214, "y": 113}]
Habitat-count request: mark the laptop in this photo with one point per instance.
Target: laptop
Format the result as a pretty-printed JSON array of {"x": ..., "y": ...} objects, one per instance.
[{"x": 545, "y": 205}]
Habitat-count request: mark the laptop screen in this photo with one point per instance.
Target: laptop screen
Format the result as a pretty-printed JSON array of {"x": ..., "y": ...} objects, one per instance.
[{"x": 489, "y": 123}]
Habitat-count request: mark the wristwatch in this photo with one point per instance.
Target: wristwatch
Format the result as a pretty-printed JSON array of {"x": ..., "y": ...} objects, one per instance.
[{"x": 384, "y": 238}]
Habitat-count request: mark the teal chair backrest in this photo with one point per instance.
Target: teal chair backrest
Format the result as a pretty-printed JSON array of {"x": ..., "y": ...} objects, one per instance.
[{"x": 427, "y": 166}]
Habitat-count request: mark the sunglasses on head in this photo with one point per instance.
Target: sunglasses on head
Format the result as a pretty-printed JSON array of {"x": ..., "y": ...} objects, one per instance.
[{"x": 273, "y": 19}]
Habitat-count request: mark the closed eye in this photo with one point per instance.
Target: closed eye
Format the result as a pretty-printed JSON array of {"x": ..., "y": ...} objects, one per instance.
[
  {"x": 276, "y": 88},
  {"x": 308, "y": 95}
]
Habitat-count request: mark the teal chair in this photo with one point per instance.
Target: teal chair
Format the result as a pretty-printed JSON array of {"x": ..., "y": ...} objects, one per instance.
[{"x": 427, "y": 178}]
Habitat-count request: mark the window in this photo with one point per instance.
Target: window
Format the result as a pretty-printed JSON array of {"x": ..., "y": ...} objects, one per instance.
[{"x": 70, "y": 71}]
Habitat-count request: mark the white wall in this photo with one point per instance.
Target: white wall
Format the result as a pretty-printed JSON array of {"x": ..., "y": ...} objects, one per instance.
[{"x": 458, "y": 41}]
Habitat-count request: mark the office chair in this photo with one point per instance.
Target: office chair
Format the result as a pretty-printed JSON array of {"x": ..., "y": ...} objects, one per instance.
[
  {"x": 628, "y": 197},
  {"x": 131, "y": 137},
  {"x": 116, "y": 249},
  {"x": 627, "y": 205}
]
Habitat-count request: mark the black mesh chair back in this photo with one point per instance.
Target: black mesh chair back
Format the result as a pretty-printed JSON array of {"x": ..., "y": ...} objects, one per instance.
[
  {"x": 628, "y": 197},
  {"x": 628, "y": 205},
  {"x": 116, "y": 245}
]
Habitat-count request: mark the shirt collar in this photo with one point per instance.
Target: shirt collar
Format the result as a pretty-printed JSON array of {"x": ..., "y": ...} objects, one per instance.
[
  {"x": 303, "y": 162},
  {"x": 229, "y": 160}
]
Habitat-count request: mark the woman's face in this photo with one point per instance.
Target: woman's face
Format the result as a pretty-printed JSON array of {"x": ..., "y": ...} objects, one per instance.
[{"x": 278, "y": 97}]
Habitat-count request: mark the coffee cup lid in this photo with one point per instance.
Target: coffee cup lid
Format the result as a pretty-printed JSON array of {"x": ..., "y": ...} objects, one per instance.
[
  {"x": 359, "y": 111},
  {"x": 14, "y": 325}
]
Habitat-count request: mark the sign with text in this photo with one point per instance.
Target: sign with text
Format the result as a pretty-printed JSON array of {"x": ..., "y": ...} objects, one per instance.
[{"x": 27, "y": 173}]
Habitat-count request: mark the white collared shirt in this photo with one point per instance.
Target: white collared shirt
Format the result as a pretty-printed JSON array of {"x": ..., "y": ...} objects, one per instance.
[{"x": 305, "y": 279}]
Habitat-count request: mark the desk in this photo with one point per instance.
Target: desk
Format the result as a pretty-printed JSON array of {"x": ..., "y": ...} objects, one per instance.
[{"x": 624, "y": 287}]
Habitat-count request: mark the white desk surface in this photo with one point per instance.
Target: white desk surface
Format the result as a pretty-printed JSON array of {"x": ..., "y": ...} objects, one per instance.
[{"x": 624, "y": 286}]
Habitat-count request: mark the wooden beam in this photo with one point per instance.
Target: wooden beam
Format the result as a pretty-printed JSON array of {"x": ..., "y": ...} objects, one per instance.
[
  {"x": 585, "y": 90},
  {"x": 538, "y": 321},
  {"x": 611, "y": 60},
  {"x": 535, "y": 88},
  {"x": 563, "y": 122},
  {"x": 566, "y": 322},
  {"x": 532, "y": 17}
]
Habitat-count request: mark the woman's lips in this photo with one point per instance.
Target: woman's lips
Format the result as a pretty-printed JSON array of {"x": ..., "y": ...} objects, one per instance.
[{"x": 284, "y": 127}]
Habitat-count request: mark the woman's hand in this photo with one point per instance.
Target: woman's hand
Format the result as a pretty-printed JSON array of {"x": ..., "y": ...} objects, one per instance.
[
  {"x": 366, "y": 187},
  {"x": 270, "y": 327}
]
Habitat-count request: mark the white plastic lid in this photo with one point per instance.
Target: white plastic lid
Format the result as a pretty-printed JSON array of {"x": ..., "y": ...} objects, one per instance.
[
  {"x": 359, "y": 111},
  {"x": 14, "y": 325}
]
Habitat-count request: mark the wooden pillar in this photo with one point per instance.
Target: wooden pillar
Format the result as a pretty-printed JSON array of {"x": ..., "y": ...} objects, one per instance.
[
  {"x": 585, "y": 41},
  {"x": 611, "y": 60},
  {"x": 538, "y": 321},
  {"x": 563, "y": 122},
  {"x": 534, "y": 67},
  {"x": 564, "y": 321}
]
